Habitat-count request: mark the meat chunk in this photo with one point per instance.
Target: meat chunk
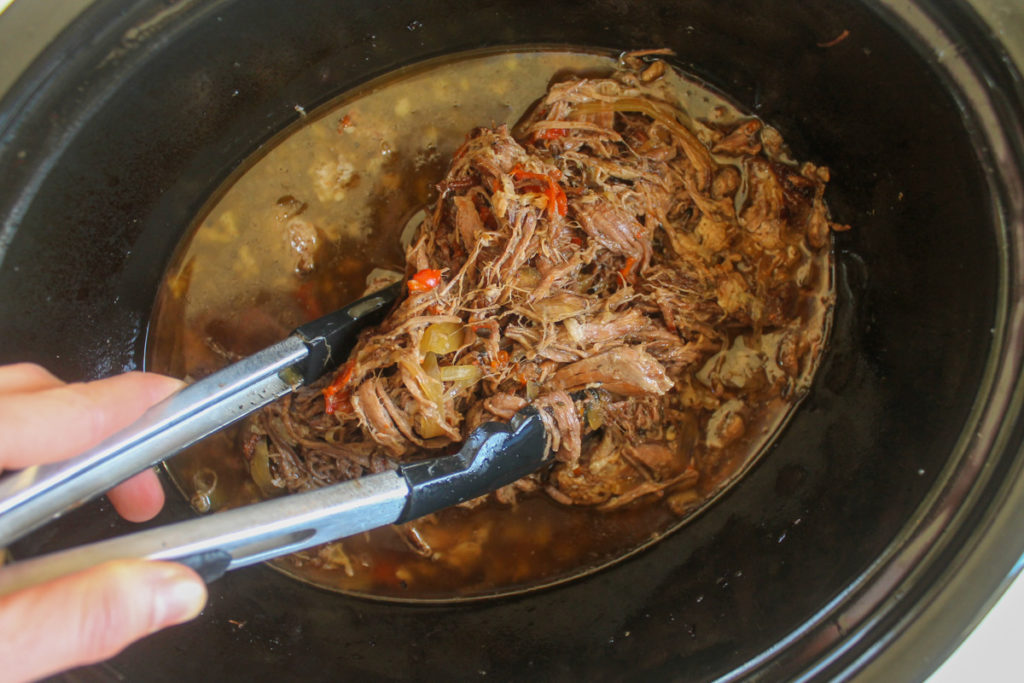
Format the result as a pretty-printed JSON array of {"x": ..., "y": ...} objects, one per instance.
[
  {"x": 742, "y": 140},
  {"x": 658, "y": 458},
  {"x": 560, "y": 307},
  {"x": 375, "y": 419},
  {"x": 563, "y": 425},
  {"x": 600, "y": 475},
  {"x": 622, "y": 370},
  {"x": 304, "y": 240},
  {"x": 615, "y": 229},
  {"x": 726, "y": 424},
  {"x": 608, "y": 328},
  {"x": 504, "y": 405},
  {"x": 467, "y": 221}
]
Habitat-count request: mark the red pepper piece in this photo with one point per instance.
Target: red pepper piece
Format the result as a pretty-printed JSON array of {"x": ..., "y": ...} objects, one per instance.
[
  {"x": 557, "y": 201},
  {"x": 337, "y": 395},
  {"x": 425, "y": 280},
  {"x": 626, "y": 273},
  {"x": 520, "y": 173},
  {"x": 500, "y": 359}
]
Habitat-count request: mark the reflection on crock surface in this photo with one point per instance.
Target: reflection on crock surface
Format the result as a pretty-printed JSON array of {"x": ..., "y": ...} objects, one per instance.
[{"x": 699, "y": 254}]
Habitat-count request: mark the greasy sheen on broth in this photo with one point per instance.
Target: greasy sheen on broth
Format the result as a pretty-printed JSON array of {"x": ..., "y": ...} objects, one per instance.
[{"x": 357, "y": 173}]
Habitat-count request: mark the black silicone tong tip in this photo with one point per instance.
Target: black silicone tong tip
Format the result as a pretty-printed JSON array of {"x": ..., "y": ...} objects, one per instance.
[
  {"x": 331, "y": 338},
  {"x": 494, "y": 455}
]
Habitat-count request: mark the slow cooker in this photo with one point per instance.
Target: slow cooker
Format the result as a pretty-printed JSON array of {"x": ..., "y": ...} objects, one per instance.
[{"x": 884, "y": 520}]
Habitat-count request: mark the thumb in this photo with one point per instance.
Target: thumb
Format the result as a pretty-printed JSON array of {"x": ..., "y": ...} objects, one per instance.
[{"x": 92, "y": 615}]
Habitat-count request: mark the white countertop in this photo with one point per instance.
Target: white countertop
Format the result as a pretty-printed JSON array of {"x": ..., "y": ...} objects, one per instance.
[{"x": 992, "y": 652}]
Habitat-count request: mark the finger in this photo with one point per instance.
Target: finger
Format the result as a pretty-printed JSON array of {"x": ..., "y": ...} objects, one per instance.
[
  {"x": 139, "y": 498},
  {"x": 92, "y": 615},
  {"x": 25, "y": 377},
  {"x": 56, "y": 423}
]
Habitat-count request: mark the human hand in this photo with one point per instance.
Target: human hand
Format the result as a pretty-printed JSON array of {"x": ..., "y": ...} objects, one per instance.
[{"x": 91, "y": 615}]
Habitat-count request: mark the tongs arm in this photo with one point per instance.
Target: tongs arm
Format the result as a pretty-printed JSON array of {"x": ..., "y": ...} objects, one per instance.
[
  {"x": 495, "y": 454},
  {"x": 31, "y": 497}
]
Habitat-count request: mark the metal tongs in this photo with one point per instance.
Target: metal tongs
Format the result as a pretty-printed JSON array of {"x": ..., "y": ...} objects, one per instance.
[{"x": 495, "y": 454}]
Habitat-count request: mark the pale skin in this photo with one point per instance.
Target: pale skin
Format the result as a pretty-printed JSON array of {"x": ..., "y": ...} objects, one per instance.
[{"x": 89, "y": 616}]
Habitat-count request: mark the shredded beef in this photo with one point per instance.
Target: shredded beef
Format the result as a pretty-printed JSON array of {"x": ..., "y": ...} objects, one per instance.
[{"x": 613, "y": 244}]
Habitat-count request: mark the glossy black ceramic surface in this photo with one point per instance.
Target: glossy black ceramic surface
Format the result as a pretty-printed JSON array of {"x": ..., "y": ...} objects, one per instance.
[{"x": 903, "y": 456}]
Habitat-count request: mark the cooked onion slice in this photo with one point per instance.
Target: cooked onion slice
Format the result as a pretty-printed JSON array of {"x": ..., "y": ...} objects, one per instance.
[{"x": 442, "y": 338}]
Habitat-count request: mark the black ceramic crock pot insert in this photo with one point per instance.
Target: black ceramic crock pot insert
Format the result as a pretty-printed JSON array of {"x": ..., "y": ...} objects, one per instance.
[{"x": 117, "y": 135}]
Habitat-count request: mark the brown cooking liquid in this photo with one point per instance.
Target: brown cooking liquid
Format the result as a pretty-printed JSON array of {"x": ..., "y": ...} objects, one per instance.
[{"x": 363, "y": 167}]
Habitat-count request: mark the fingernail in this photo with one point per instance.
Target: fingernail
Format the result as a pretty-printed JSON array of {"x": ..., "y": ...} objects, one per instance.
[{"x": 180, "y": 596}]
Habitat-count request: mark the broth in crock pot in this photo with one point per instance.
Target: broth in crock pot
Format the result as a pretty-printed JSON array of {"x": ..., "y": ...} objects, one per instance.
[{"x": 634, "y": 235}]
